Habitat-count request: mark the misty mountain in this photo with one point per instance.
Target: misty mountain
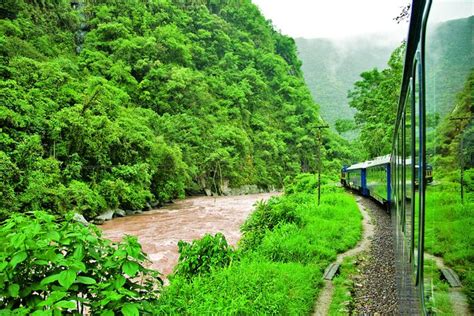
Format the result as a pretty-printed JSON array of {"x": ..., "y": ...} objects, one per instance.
[{"x": 331, "y": 66}]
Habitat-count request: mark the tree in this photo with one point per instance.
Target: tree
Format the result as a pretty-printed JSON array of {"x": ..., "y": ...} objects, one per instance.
[{"x": 375, "y": 98}]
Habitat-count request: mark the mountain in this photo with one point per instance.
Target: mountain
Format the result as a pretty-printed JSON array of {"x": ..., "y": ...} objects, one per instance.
[
  {"x": 331, "y": 66},
  {"x": 449, "y": 61}
]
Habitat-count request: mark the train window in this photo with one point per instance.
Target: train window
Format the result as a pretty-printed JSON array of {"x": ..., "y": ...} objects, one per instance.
[
  {"x": 415, "y": 107},
  {"x": 449, "y": 169},
  {"x": 407, "y": 174},
  {"x": 403, "y": 176},
  {"x": 399, "y": 175}
]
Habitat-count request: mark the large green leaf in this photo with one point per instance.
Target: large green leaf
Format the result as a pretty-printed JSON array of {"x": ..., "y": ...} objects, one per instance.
[
  {"x": 85, "y": 280},
  {"x": 130, "y": 268},
  {"x": 50, "y": 279},
  {"x": 67, "y": 278},
  {"x": 66, "y": 304},
  {"x": 18, "y": 258},
  {"x": 13, "y": 290},
  {"x": 130, "y": 309},
  {"x": 119, "y": 281},
  {"x": 53, "y": 297}
]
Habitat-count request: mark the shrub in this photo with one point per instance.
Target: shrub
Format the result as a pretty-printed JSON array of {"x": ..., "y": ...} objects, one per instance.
[
  {"x": 305, "y": 183},
  {"x": 203, "y": 255},
  {"x": 80, "y": 198},
  {"x": 266, "y": 217},
  {"x": 48, "y": 266}
]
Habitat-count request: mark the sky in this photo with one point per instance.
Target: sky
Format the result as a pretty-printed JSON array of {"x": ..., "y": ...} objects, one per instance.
[{"x": 349, "y": 18}]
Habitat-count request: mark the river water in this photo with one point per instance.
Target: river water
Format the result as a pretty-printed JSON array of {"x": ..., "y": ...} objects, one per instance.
[{"x": 160, "y": 230}]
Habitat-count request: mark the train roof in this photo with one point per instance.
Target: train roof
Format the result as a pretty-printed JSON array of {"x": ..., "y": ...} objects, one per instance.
[{"x": 378, "y": 161}]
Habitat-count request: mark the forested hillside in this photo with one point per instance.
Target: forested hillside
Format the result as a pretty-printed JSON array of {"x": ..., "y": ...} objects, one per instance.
[
  {"x": 375, "y": 97},
  {"x": 331, "y": 67},
  {"x": 450, "y": 48},
  {"x": 118, "y": 104}
]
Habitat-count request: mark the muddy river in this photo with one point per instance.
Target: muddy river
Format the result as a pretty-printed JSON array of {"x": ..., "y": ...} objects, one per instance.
[{"x": 160, "y": 230}]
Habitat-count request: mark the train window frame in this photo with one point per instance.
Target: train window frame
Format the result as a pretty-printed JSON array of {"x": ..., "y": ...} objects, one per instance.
[
  {"x": 422, "y": 166},
  {"x": 403, "y": 171}
]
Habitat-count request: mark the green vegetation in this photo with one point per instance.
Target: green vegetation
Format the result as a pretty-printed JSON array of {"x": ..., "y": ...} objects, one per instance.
[
  {"x": 119, "y": 104},
  {"x": 287, "y": 243},
  {"x": 342, "y": 300},
  {"x": 437, "y": 290},
  {"x": 50, "y": 267},
  {"x": 446, "y": 236},
  {"x": 332, "y": 66},
  {"x": 447, "y": 218},
  {"x": 202, "y": 255},
  {"x": 376, "y": 99},
  {"x": 450, "y": 47}
]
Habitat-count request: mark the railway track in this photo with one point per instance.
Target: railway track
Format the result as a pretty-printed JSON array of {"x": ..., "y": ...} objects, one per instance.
[{"x": 374, "y": 290}]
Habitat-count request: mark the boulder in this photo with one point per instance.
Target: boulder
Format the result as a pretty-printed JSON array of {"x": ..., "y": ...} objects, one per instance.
[
  {"x": 132, "y": 212},
  {"x": 106, "y": 216},
  {"x": 80, "y": 219},
  {"x": 147, "y": 207},
  {"x": 97, "y": 221},
  {"x": 119, "y": 213}
]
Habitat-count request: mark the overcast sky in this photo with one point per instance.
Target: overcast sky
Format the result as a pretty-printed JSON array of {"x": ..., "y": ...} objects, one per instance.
[{"x": 347, "y": 18}]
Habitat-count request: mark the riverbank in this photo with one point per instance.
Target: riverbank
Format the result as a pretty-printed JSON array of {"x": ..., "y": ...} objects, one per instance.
[{"x": 159, "y": 230}]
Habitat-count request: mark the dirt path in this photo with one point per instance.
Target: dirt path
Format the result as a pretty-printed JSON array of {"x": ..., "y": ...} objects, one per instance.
[
  {"x": 160, "y": 230},
  {"x": 321, "y": 307}
]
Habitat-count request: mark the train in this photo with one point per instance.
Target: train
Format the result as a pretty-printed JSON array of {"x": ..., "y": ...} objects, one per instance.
[
  {"x": 430, "y": 218},
  {"x": 373, "y": 178}
]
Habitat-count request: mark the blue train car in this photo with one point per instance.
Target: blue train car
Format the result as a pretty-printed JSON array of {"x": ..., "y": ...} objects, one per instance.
[
  {"x": 378, "y": 181},
  {"x": 356, "y": 177},
  {"x": 370, "y": 178}
]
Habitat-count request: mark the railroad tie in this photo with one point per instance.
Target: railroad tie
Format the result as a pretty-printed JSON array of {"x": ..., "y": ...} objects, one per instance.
[
  {"x": 331, "y": 271},
  {"x": 451, "y": 277}
]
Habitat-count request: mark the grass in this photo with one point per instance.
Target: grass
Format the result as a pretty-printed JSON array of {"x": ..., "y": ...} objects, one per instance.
[
  {"x": 287, "y": 243},
  {"x": 449, "y": 232},
  {"x": 438, "y": 301},
  {"x": 343, "y": 287},
  {"x": 253, "y": 286}
]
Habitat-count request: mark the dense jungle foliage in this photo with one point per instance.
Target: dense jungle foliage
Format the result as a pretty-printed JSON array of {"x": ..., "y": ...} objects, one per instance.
[{"x": 116, "y": 104}]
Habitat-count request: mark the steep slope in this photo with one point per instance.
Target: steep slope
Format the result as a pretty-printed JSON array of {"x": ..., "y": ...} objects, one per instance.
[
  {"x": 126, "y": 103},
  {"x": 450, "y": 53}
]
